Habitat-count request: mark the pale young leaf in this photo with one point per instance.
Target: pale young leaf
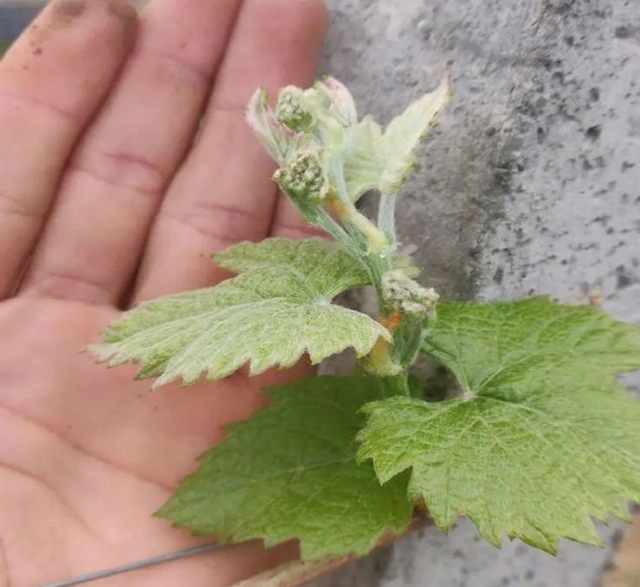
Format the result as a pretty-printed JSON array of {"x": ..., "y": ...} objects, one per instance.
[
  {"x": 383, "y": 161},
  {"x": 277, "y": 309},
  {"x": 279, "y": 141},
  {"x": 364, "y": 162},
  {"x": 405, "y": 132}
]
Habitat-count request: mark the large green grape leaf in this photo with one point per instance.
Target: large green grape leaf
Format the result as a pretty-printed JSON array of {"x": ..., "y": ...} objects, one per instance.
[
  {"x": 278, "y": 308},
  {"x": 291, "y": 472},
  {"x": 383, "y": 160},
  {"x": 541, "y": 439}
]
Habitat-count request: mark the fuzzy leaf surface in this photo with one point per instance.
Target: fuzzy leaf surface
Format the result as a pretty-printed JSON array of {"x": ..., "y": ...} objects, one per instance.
[
  {"x": 278, "y": 308},
  {"x": 542, "y": 440},
  {"x": 383, "y": 160},
  {"x": 364, "y": 162},
  {"x": 291, "y": 472}
]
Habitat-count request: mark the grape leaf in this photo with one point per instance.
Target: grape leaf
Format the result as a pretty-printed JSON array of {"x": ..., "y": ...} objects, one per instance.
[
  {"x": 277, "y": 309},
  {"x": 383, "y": 161},
  {"x": 290, "y": 472},
  {"x": 364, "y": 160},
  {"x": 542, "y": 437}
]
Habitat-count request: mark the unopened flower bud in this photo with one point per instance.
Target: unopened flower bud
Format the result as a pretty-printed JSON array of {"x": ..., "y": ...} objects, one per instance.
[
  {"x": 405, "y": 294},
  {"x": 304, "y": 179},
  {"x": 292, "y": 111}
]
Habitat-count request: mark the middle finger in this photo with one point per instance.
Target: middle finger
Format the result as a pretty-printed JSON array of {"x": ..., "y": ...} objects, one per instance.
[{"x": 224, "y": 193}]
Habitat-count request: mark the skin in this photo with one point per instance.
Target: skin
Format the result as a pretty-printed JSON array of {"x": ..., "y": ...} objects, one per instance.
[{"x": 107, "y": 199}]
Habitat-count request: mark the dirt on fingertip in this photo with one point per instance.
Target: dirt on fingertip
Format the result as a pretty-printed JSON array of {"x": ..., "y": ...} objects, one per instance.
[{"x": 69, "y": 10}]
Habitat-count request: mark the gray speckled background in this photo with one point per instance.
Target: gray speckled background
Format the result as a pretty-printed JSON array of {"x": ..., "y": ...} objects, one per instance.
[{"x": 530, "y": 184}]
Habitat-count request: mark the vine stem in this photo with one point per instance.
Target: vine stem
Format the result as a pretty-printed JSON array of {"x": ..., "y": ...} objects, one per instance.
[
  {"x": 379, "y": 241},
  {"x": 396, "y": 385},
  {"x": 349, "y": 214},
  {"x": 387, "y": 216}
]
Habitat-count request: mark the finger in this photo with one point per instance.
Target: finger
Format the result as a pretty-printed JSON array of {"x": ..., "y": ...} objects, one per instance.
[
  {"x": 118, "y": 176},
  {"x": 289, "y": 223},
  {"x": 224, "y": 192},
  {"x": 51, "y": 82}
]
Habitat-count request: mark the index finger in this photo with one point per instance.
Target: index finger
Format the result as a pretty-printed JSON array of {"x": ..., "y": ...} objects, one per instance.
[{"x": 51, "y": 82}]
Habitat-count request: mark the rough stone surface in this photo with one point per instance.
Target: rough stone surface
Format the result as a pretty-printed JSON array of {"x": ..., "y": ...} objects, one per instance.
[{"x": 529, "y": 185}]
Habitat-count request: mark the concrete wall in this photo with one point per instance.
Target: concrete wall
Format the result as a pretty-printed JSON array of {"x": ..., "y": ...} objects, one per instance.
[{"x": 530, "y": 185}]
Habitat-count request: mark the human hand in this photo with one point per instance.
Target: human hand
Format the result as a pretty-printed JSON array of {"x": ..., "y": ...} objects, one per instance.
[{"x": 104, "y": 192}]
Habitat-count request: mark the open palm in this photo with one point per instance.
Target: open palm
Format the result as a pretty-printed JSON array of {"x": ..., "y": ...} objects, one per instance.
[{"x": 115, "y": 189}]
